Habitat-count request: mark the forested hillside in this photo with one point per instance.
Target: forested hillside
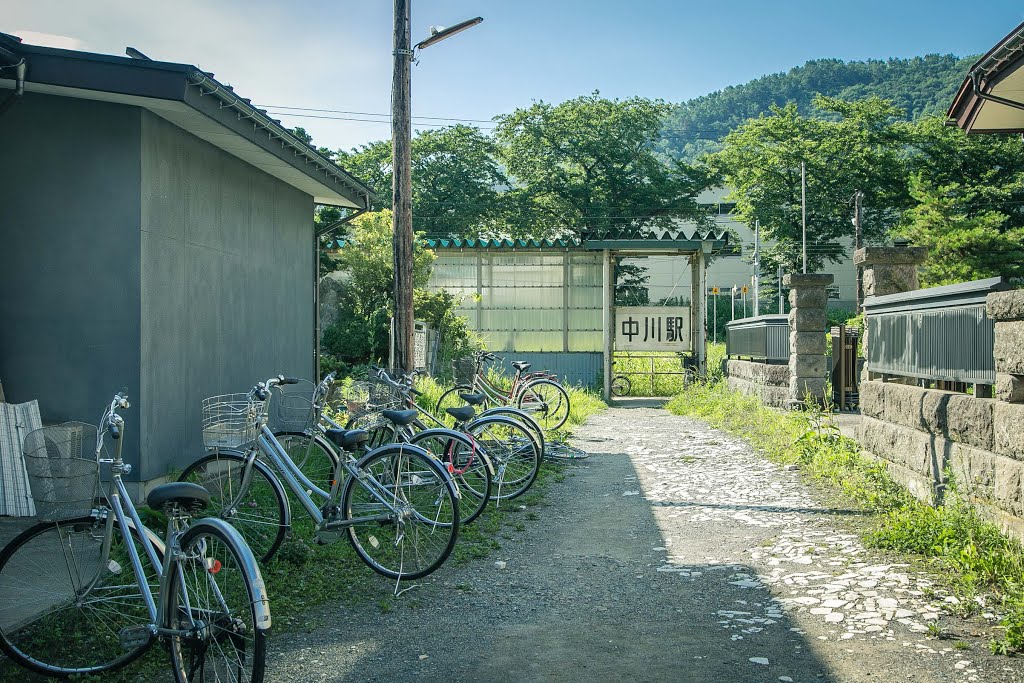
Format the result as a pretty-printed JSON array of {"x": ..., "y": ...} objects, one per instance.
[{"x": 920, "y": 86}]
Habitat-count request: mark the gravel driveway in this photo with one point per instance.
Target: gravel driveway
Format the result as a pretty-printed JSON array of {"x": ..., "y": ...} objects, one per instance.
[{"x": 674, "y": 553}]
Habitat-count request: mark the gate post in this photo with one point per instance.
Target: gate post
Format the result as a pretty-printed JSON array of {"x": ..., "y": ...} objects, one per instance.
[
  {"x": 807, "y": 322},
  {"x": 609, "y": 321}
]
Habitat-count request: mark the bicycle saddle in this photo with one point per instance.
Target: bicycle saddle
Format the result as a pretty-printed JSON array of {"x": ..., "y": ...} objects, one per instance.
[
  {"x": 473, "y": 399},
  {"x": 521, "y": 365},
  {"x": 347, "y": 439},
  {"x": 462, "y": 413},
  {"x": 191, "y": 497},
  {"x": 400, "y": 417}
]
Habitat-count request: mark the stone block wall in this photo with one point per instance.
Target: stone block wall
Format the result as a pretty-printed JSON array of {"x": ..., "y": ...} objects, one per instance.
[
  {"x": 923, "y": 433},
  {"x": 807, "y": 321},
  {"x": 768, "y": 382}
]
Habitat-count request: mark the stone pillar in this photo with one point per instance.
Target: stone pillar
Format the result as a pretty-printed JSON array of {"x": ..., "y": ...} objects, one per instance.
[
  {"x": 889, "y": 270},
  {"x": 807, "y": 321},
  {"x": 1006, "y": 309}
]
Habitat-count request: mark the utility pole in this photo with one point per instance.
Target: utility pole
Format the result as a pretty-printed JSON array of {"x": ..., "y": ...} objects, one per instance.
[
  {"x": 803, "y": 209},
  {"x": 757, "y": 268},
  {"x": 858, "y": 242},
  {"x": 401, "y": 197},
  {"x": 779, "y": 273},
  {"x": 401, "y": 175}
]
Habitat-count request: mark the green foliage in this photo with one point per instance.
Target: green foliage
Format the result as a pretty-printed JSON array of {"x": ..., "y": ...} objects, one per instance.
[
  {"x": 969, "y": 212},
  {"x": 972, "y": 553},
  {"x": 586, "y": 167},
  {"x": 360, "y": 333},
  {"x": 849, "y": 146},
  {"x": 455, "y": 180},
  {"x": 920, "y": 86}
]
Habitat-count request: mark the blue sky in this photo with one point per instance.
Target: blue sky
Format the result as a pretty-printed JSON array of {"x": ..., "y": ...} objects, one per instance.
[{"x": 337, "y": 54}]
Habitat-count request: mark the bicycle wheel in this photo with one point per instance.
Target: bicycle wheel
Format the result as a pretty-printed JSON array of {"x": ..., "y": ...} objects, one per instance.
[
  {"x": 413, "y": 534},
  {"x": 219, "y": 606},
  {"x": 466, "y": 462},
  {"x": 523, "y": 418},
  {"x": 450, "y": 399},
  {"x": 512, "y": 449},
  {"x": 621, "y": 385},
  {"x": 314, "y": 457},
  {"x": 260, "y": 512},
  {"x": 547, "y": 402},
  {"x": 61, "y": 612}
]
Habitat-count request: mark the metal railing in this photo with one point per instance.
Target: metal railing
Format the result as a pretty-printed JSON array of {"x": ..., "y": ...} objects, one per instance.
[
  {"x": 764, "y": 338},
  {"x": 940, "y": 334}
]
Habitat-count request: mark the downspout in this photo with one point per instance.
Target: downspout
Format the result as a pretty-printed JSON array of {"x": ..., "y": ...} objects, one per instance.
[
  {"x": 317, "y": 234},
  {"x": 976, "y": 87},
  {"x": 19, "y": 87}
]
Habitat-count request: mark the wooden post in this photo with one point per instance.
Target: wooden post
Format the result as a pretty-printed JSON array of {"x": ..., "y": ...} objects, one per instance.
[
  {"x": 701, "y": 333},
  {"x": 609, "y": 321},
  {"x": 401, "y": 140}
]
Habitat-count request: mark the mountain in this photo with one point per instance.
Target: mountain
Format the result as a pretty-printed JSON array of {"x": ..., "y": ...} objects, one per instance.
[{"x": 920, "y": 85}]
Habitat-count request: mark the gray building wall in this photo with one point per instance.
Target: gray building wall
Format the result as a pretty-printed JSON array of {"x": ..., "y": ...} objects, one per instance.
[
  {"x": 69, "y": 265},
  {"x": 227, "y": 285}
]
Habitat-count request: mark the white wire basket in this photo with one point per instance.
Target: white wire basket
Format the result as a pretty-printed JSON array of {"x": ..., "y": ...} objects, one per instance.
[{"x": 232, "y": 420}]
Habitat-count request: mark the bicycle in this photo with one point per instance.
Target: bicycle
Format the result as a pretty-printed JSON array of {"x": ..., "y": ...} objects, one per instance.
[
  {"x": 545, "y": 398},
  {"x": 620, "y": 385},
  {"x": 513, "y": 447},
  {"x": 89, "y": 588},
  {"x": 396, "y": 504}
]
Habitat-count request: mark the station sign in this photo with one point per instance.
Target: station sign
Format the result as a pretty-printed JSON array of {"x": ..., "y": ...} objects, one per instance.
[{"x": 652, "y": 328}]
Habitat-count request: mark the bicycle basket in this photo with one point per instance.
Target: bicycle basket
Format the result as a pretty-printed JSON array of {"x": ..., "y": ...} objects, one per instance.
[
  {"x": 232, "y": 420},
  {"x": 62, "y": 470},
  {"x": 291, "y": 407},
  {"x": 464, "y": 370}
]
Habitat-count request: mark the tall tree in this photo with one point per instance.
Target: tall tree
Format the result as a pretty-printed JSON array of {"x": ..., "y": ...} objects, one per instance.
[
  {"x": 586, "y": 167},
  {"x": 969, "y": 194},
  {"x": 456, "y": 179},
  {"x": 858, "y": 147}
]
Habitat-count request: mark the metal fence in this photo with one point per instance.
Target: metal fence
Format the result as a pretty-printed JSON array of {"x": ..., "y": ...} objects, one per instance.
[
  {"x": 764, "y": 338},
  {"x": 940, "y": 334}
]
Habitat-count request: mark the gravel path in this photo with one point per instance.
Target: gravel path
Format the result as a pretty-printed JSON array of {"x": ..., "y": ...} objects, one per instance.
[{"x": 674, "y": 553}]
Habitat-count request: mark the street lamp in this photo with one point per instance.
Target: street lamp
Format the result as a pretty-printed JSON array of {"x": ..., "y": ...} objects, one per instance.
[{"x": 401, "y": 164}]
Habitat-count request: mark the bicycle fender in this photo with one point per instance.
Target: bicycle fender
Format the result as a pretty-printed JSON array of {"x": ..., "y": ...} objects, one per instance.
[
  {"x": 259, "y": 598},
  {"x": 443, "y": 431}
]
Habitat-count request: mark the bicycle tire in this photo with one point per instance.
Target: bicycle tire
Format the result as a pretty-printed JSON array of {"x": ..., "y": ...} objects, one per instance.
[
  {"x": 217, "y": 592},
  {"x": 418, "y": 484},
  {"x": 79, "y": 630},
  {"x": 450, "y": 399},
  {"x": 621, "y": 385},
  {"x": 314, "y": 456},
  {"x": 523, "y": 418},
  {"x": 262, "y": 516},
  {"x": 514, "y": 452},
  {"x": 547, "y": 402},
  {"x": 468, "y": 464}
]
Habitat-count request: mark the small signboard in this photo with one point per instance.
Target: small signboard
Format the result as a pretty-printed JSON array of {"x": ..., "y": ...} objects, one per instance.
[
  {"x": 714, "y": 291},
  {"x": 652, "y": 328},
  {"x": 745, "y": 289}
]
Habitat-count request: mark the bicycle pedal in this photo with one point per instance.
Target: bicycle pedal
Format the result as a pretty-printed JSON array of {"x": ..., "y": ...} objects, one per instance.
[{"x": 133, "y": 637}]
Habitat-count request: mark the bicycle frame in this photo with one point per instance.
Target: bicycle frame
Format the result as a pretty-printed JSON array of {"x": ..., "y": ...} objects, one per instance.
[{"x": 268, "y": 444}]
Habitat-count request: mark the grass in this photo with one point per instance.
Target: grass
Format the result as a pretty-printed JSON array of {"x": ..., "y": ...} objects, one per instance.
[{"x": 981, "y": 564}]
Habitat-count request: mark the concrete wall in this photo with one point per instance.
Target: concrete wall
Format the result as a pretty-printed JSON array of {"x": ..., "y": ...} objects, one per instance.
[
  {"x": 69, "y": 265},
  {"x": 768, "y": 382},
  {"x": 920, "y": 432},
  {"x": 227, "y": 285}
]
